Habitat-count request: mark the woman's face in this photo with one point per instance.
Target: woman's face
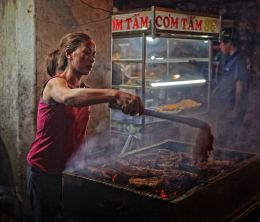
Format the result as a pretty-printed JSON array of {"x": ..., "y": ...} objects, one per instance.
[{"x": 83, "y": 58}]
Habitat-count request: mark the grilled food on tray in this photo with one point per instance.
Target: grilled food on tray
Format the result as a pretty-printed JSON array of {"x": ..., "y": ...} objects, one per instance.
[
  {"x": 181, "y": 105},
  {"x": 158, "y": 169}
]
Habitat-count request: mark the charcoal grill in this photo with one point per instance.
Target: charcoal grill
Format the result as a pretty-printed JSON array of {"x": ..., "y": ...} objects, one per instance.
[{"x": 220, "y": 198}]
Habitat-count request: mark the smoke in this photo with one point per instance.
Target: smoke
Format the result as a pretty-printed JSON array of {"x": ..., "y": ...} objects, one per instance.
[
  {"x": 84, "y": 156},
  {"x": 99, "y": 149},
  {"x": 248, "y": 135},
  {"x": 95, "y": 149}
]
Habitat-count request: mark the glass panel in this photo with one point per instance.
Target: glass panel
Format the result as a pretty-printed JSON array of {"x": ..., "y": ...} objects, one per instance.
[
  {"x": 127, "y": 48},
  {"x": 188, "y": 71},
  {"x": 156, "y": 50},
  {"x": 180, "y": 48},
  {"x": 172, "y": 63},
  {"x": 126, "y": 73},
  {"x": 156, "y": 72}
]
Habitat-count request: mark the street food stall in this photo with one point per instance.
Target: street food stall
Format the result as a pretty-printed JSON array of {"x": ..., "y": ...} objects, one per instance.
[{"x": 165, "y": 57}]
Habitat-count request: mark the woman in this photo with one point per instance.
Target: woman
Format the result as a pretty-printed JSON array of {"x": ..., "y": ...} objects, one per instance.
[{"x": 63, "y": 114}]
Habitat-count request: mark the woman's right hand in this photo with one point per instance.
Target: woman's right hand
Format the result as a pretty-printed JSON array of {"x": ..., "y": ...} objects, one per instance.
[{"x": 129, "y": 104}]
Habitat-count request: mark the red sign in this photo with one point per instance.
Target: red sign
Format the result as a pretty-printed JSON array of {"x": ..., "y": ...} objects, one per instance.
[
  {"x": 131, "y": 22},
  {"x": 164, "y": 20}
]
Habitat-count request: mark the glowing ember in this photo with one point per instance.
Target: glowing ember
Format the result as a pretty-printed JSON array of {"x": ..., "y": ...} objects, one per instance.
[
  {"x": 163, "y": 195},
  {"x": 114, "y": 178}
]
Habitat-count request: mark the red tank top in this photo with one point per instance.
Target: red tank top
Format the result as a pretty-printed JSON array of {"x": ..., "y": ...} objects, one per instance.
[{"x": 60, "y": 131}]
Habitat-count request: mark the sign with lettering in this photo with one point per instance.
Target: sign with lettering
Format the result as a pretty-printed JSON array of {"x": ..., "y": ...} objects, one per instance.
[
  {"x": 188, "y": 23},
  {"x": 165, "y": 21},
  {"x": 131, "y": 22}
]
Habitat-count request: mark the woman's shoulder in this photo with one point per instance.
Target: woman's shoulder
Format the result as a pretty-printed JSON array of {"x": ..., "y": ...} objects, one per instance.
[
  {"x": 56, "y": 79},
  {"x": 52, "y": 83}
]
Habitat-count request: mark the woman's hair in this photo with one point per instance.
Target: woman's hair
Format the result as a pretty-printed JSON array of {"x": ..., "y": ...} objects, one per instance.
[
  {"x": 52, "y": 62},
  {"x": 57, "y": 60}
]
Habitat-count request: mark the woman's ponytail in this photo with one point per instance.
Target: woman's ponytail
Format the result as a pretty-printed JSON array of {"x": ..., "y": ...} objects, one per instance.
[{"x": 52, "y": 62}]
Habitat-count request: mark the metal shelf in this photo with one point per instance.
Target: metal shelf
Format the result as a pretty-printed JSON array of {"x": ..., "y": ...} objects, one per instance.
[
  {"x": 173, "y": 60},
  {"x": 127, "y": 60},
  {"x": 150, "y": 87}
]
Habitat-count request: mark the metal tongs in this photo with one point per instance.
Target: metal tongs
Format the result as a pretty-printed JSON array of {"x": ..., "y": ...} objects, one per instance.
[{"x": 197, "y": 123}]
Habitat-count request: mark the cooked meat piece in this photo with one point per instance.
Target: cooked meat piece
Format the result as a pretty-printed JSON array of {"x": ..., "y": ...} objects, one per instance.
[
  {"x": 150, "y": 182},
  {"x": 137, "y": 171},
  {"x": 121, "y": 164},
  {"x": 167, "y": 164},
  {"x": 215, "y": 165},
  {"x": 148, "y": 171},
  {"x": 203, "y": 146},
  {"x": 143, "y": 163},
  {"x": 179, "y": 174}
]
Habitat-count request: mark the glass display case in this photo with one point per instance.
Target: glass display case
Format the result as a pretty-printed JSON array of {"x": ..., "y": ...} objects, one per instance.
[
  {"x": 176, "y": 69},
  {"x": 164, "y": 57}
]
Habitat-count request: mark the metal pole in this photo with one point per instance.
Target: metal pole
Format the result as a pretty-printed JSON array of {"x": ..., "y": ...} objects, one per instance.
[
  {"x": 143, "y": 78},
  {"x": 152, "y": 22},
  {"x": 209, "y": 75}
]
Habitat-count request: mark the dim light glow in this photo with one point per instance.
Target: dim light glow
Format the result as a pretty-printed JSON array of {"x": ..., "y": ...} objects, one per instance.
[
  {"x": 159, "y": 58},
  {"x": 175, "y": 83},
  {"x": 176, "y": 76},
  {"x": 156, "y": 58},
  {"x": 149, "y": 39}
]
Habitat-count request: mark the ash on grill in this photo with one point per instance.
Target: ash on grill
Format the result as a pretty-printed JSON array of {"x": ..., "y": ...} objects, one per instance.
[{"x": 162, "y": 172}]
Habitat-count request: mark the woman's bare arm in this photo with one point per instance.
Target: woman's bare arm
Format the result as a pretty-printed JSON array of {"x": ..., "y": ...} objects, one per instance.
[{"x": 57, "y": 90}]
